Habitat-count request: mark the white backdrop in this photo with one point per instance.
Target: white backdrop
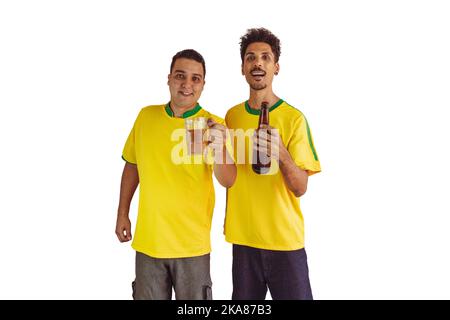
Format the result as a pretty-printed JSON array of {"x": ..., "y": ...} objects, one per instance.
[{"x": 372, "y": 77}]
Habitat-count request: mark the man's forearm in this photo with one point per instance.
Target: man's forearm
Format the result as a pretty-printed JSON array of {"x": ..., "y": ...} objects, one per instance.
[
  {"x": 225, "y": 169},
  {"x": 296, "y": 179},
  {"x": 128, "y": 185}
]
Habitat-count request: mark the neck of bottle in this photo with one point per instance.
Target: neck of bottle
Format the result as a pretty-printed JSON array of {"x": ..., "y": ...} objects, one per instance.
[{"x": 264, "y": 116}]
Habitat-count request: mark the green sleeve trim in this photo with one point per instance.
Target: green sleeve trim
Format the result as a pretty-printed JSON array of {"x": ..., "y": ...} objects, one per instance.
[
  {"x": 311, "y": 145},
  {"x": 310, "y": 141},
  {"x": 127, "y": 160},
  {"x": 257, "y": 112},
  {"x": 187, "y": 114}
]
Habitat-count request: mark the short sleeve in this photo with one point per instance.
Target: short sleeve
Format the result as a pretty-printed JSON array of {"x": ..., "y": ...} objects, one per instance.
[
  {"x": 129, "y": 150},
  {"x": 301, "y": 147}
]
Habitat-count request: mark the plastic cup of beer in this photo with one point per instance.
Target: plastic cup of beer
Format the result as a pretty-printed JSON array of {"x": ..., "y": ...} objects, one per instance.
[{"x": 195, "y": 134}]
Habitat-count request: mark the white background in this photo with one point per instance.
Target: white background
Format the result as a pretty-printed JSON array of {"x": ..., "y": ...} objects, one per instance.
[{"x": 372, "y": 77}]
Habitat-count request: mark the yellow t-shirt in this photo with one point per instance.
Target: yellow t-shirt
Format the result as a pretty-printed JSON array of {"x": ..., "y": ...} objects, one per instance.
[
  {"x": 261, "y": 211},
  {"x": 176, "y": 194}
]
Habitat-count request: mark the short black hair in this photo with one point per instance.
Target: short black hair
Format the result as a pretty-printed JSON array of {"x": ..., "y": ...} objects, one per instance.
[
  {"x": 260, "y": 35},
  {"x": 189, "y": 54}
]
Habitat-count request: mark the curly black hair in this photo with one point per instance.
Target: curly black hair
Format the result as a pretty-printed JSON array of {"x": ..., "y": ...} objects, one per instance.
[{"x": 260, "y": 35}]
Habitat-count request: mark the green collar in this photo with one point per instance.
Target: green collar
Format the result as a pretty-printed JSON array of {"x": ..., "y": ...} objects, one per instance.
[
  {"x": 187, "y": 114},
  {"x": 258, "y": 111}
]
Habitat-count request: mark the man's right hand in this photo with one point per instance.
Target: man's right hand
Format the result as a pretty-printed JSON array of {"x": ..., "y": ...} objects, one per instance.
[{"x": 123, "y": 228}]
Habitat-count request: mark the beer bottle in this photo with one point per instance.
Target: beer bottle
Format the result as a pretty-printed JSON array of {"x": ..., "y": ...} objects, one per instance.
[{"x": 261, "y": 162}]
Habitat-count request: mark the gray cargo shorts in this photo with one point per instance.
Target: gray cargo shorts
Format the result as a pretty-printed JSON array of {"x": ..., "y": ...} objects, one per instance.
[{"x": 155, "y": 277}]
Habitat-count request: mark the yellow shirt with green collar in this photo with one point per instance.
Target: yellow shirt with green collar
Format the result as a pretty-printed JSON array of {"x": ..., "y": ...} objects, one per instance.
[
  {"x": 261, "y": 211},
  {"x": 176, "y": 193}
]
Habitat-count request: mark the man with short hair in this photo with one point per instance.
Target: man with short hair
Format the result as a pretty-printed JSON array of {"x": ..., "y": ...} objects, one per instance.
[
  {"x": 263, "y": 218},
  {"x": 176, "y": 196}
]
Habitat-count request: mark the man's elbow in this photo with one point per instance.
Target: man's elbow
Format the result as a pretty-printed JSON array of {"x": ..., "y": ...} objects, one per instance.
[
  {"x": 226, "y": 179},
  {"x": 298, "y": 192},
  {"x": 228, "y": 182}
]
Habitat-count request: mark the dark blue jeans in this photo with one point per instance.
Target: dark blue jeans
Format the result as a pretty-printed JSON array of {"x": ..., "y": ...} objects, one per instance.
[{"x": 285, "y": 273}]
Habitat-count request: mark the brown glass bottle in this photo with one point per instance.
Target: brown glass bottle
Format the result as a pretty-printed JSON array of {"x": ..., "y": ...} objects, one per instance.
[{"x": 261, "y": 163}]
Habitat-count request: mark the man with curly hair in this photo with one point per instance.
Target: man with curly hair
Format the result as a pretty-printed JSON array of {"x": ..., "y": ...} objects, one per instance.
[{"x": 263, "y": 218}]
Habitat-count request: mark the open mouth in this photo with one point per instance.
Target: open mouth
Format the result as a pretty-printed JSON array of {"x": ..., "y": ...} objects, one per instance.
[
  {"x": 258, "y": 74},
  {"x": 185, "y": 94}
]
